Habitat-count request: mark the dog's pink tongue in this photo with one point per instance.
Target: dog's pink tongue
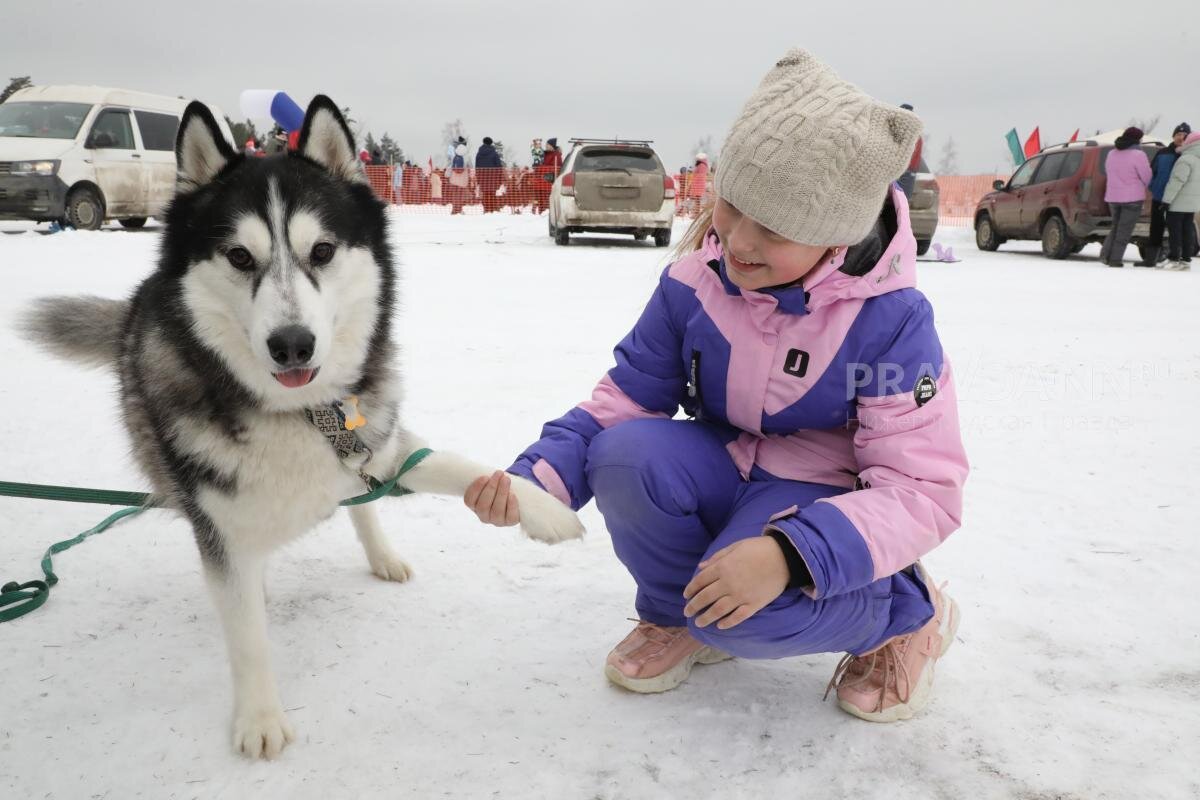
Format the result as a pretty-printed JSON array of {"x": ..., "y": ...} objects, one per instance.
[{"x": 295, "y": 378}]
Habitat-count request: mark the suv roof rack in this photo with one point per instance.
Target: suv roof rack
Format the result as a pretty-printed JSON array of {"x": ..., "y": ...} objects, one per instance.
[
  {"x": 1065, "y": 145},
  {"x": 613, "y": 140}
]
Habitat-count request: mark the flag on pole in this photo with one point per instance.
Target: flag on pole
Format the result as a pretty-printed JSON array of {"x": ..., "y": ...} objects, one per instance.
[
  {"x": 1014, "y": 147},
  {"x": 1075, "y": 135},
  {"x": 1033, "y": 144}
]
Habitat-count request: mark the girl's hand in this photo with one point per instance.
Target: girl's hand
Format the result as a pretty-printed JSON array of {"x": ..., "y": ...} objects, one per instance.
[
  {"x": 737, "y": 582},
  {"x": 492, "y": 501}
]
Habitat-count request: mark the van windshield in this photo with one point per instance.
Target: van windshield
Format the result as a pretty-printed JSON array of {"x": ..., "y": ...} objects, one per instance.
[{"x": 42, "y": 120}]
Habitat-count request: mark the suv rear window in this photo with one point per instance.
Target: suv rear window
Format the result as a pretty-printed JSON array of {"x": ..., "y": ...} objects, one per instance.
[
  {"x": 1148, "y": 149},
  {"x": 617, "y": 158}
]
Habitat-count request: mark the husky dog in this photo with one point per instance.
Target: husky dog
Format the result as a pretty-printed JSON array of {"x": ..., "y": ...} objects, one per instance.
[{"x": 257, "y": 375}]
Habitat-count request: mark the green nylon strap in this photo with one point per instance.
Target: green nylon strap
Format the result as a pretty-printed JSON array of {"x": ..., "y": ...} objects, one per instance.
[{"x": 25, "y": 597}]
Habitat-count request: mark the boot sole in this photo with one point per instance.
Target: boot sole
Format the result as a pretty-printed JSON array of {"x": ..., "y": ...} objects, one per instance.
[
  {"x": 919, "y": 697},
  {"x": 669, "y": 679}
]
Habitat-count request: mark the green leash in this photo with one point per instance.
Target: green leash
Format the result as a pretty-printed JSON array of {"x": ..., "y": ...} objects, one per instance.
[{"x": 25, "y": 597}]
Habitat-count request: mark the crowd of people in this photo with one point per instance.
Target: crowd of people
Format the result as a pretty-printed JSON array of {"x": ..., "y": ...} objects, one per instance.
[
  {"x": 1172, "y": 179},
  {"x": 484, "y": 180}
]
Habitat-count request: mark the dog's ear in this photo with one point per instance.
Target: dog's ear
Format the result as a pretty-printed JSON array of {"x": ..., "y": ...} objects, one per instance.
[
  {"x": 326, "y": 139},
  {"x": 201, "y": 151}
]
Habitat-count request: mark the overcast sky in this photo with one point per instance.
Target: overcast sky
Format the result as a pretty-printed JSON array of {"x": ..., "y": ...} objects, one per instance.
[{"x": 670, "y": 71}]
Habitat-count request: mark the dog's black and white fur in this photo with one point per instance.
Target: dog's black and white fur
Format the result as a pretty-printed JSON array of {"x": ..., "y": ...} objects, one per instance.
[{"x": 274, "y": 293}]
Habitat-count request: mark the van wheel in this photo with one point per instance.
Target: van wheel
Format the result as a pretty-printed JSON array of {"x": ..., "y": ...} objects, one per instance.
[
  {"x": 1057, "y": 241},
  {"x": 562, "y": 236},
  {"x": 133, "y": 223},
  {"x": 923, "y": 246},
  {"x": 85, "y": 211},
  {"x": 662, "y": 237},
  {"x": 985, "y": 234}
]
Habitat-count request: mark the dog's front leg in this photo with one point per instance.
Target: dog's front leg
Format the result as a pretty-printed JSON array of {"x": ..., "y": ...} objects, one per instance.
[
  {"x": 542, "y": 517},
  {"x": 260, "y": 727},
  {"x": 383, "y": 559}
]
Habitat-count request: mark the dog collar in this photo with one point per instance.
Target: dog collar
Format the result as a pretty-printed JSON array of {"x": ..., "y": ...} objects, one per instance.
[{"x": 337, "y": 422}]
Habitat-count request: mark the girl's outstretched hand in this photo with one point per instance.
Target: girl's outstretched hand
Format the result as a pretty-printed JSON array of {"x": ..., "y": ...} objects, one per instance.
[
  {"x": 737, "y": 582},
  {"x": 492, "y": 500}
]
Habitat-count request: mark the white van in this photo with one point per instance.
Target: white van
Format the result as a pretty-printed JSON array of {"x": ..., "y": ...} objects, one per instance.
[{"x": 84, "y": 154}]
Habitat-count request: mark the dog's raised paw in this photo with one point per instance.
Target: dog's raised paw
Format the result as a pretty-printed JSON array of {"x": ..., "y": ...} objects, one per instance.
[
  {"x": 261, "y": 732},
  {"x": 544, "y": 517},
  {"x": 391, "y": 567}
]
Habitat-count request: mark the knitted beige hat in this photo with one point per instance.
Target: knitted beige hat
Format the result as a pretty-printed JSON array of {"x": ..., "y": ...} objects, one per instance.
[{"x": 811, "y": 157}]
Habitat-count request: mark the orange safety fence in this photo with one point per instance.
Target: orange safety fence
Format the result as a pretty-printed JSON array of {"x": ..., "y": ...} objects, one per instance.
[
  {"x": 959, "y": 194},
  {"x": 527, "y": 190}
]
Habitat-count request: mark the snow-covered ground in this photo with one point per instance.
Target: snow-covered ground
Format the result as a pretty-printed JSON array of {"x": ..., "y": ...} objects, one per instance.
[{"x": 1077, "y": 668}]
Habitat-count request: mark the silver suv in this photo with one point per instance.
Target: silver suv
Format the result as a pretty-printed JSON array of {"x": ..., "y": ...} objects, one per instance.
[{"x": 612, "y": 186}]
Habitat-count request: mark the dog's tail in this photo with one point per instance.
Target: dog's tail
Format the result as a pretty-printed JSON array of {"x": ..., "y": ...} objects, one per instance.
[{"x": 84, "y": 329}]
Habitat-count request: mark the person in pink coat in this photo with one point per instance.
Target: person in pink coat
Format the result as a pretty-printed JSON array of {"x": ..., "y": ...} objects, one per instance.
[{"x": 1129, "y": 175}]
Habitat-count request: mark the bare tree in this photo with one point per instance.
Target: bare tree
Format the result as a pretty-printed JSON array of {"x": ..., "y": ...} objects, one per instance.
[
  {"x": 948, "y": 161},
  {"x": 1147, "y": 124},
  {"x": 15, "y": 85}
]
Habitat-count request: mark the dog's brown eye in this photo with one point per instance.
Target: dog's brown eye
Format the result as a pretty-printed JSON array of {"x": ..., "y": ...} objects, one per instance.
[
  {"x": 240, "y": 258},
  {"x": 322, "y": 252}
]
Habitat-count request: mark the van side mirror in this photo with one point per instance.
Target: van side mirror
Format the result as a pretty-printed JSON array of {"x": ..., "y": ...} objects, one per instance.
[
  {"x": 100, "y": 139},
  {"x": 998, "y": 185}
]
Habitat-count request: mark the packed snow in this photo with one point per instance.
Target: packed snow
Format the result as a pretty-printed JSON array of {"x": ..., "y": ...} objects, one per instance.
[{"x": 1076, "y": 673}]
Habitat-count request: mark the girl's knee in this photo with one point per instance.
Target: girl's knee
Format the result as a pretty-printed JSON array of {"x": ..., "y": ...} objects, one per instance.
[{"x": 621, "y": 445}]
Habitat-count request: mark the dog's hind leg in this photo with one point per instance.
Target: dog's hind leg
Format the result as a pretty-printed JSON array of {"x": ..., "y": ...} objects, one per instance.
[
  {"x": 383, "y": 559},
  {"x": 260, "y": 727}
]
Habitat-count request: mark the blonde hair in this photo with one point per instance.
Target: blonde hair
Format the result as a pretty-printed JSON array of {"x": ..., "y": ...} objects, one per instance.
[{"x": 693, "y": 238}]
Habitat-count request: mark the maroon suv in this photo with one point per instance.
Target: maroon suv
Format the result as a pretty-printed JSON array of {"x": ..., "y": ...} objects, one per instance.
[{"x": 1056, "y": 196}]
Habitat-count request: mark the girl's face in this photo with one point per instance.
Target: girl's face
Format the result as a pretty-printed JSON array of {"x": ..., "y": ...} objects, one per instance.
[{"x": 756, "y": 257}]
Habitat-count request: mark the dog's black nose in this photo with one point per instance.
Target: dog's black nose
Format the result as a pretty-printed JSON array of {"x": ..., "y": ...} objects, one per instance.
[{"x": 291, "y": 346}]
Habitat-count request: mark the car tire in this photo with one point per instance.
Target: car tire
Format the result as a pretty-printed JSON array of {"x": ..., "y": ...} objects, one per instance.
[
  {"x": 550, "y": 225},
  {"x": 1057, "y": 241},
  {"x": 662, "y": 237},
  {"x": 985, "y": 234},
  {"x": 133, "y": 223},
  {"x": 562, "y": 236},
  {"x": 923, "y": 246},
  {"x": 85, "y": 209}
]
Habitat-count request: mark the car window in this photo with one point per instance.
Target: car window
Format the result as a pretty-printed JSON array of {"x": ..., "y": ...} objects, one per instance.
[
  {"x": 1071, "y": 164},
  {"x": 616, "y": 159},
  {"x": 1023, "y": 174},
  {"x": 158, "y": 130},
  {"x": 112, "y": 130},
  {"x": 42, "y": 120},
  {"x": 1051, "y": 165}
]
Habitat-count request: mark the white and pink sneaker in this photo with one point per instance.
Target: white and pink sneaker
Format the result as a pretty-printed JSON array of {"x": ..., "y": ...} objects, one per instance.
[
  {"x": 895, "y": 680},
  {"x": 655, "y": 658}
]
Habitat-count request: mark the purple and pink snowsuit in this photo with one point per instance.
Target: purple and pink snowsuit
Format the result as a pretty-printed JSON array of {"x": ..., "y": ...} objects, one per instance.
[{"x": 825, "y": 410}]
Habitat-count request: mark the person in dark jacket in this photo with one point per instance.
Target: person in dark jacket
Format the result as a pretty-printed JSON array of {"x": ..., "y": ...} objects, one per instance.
[
  {"x": 1160, "y": 168},
  {"x": 488, "y": 174}
]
